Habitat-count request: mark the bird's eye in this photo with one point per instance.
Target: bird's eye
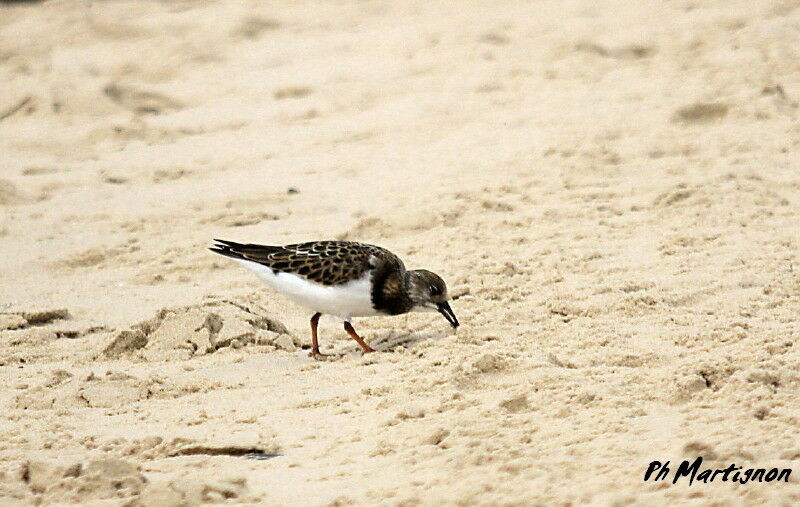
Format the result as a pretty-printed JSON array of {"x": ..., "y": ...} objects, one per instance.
[{"x": 435, "y": 291}]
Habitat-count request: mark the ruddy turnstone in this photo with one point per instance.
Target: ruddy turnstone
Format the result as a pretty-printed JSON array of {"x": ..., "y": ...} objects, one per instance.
[{"x": 344, "y": 279}]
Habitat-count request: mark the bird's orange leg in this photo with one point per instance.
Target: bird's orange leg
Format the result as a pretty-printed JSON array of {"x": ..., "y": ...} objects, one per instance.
[
  {"x": 352, "y": 332},
  {"x": 315, "y": 353}
]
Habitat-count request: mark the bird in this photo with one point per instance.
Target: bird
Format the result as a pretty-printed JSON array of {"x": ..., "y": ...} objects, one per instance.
[{"x": 345, "y": 279}]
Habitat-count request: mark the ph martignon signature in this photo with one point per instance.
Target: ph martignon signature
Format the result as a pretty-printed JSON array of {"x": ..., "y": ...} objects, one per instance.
[{"x": 732, "y": 473}]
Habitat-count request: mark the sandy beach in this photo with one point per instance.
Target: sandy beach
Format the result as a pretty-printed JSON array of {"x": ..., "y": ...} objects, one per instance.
[{"x": 610, "y": 189}]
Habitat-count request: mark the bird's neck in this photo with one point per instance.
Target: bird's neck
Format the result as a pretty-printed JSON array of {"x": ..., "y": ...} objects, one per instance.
[{"x": 391, "y": 290}]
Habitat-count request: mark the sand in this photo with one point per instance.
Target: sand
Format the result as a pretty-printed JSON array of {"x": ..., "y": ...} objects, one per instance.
[{"x": 611, "y": 189}]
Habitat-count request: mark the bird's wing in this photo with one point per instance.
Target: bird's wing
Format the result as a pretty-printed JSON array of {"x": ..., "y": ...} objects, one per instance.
[{"x": 323, "y": 262}]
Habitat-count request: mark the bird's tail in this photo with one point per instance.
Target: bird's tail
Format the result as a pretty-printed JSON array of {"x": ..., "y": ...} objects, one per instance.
[{"x": 240, "y": 250}]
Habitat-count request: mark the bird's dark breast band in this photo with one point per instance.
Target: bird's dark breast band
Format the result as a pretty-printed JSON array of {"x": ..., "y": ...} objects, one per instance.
[{"x": 388, "y": 291}]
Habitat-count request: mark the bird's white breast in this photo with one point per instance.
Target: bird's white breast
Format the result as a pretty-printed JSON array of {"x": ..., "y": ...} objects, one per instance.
[{"x": 351, "y": 299}]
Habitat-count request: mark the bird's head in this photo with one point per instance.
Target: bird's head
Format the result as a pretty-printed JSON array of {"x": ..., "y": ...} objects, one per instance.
[{"x": 428, "y": 292}]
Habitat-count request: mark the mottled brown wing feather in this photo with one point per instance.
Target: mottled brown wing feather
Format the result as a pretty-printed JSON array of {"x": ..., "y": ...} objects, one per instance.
[{"x": 323, "y": 262}]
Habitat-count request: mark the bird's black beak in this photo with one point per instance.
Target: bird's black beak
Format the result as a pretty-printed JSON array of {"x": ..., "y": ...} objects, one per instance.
[{"x": 444, "y": 309}]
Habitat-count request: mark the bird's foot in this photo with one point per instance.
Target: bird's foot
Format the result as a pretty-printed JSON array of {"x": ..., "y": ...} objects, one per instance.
[{"x": 319, "y": 356}]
